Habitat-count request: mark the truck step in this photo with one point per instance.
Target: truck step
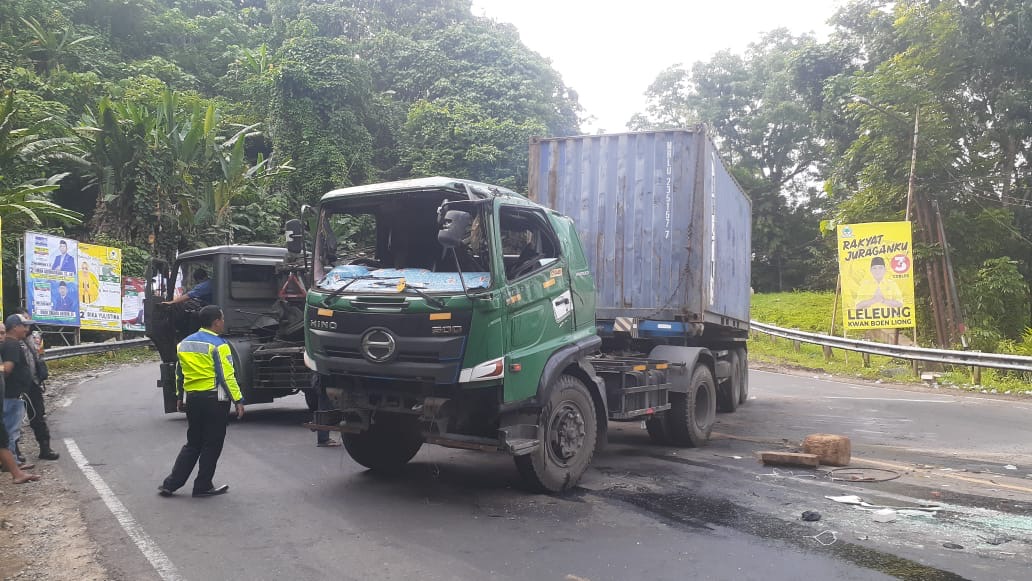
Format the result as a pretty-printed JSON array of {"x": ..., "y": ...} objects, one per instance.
[{"x": 464, "y": 442}]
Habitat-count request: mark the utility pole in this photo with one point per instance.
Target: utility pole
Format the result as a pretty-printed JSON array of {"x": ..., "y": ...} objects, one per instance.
[{"x": 913, "y": 163}]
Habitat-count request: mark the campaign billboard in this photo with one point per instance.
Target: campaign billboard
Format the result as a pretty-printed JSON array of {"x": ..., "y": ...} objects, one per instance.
[
  {"x": 132, "y": 303},
  {"x": 100, "y": 287},
  {"x": 51, "y": 284},
  {"x": 876, "y": 262}
]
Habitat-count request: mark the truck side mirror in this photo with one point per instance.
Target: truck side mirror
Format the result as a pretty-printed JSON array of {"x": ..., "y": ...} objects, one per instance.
[
  {"x": 295, "y": 236},
  {"x": 454, "y": 228}
]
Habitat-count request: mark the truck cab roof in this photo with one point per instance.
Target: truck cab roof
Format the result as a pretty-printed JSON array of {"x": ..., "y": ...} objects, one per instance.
[
  {"x": 474, "y": 189},
  {"x": 241, "y": 250}
]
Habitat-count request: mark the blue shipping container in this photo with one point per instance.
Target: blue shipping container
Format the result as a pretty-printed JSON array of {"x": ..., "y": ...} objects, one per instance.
[{"x": 666, "y": 228}]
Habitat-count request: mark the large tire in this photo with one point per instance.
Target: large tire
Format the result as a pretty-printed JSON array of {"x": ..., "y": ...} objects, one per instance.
[
  {"x": 569, "y": 433},
  {"x": 743, "y": 375},
  {"x": 691, "y": 416},
  {"x": 311, "y": 399},
  {"x": 729, "y": 394},
  {"x": 389, "y": 443},
  {"x": 657, "y": 430}
]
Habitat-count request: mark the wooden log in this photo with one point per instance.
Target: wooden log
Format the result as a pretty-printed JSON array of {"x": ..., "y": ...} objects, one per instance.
[
  {"x": 789, "y": 459},
  {"x": 831, "y": 449}
]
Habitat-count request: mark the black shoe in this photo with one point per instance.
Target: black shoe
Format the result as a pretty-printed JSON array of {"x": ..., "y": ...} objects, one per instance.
[
  {"x": 164, "y": 491},
  {"x": 48, "y": 454},
  {"x": 212, "y": 491}
]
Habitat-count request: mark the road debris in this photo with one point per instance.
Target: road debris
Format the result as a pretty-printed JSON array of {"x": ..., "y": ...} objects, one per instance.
[
  {"x": 953, "y": 546},
  {"x": 863, "y": 504},
  {"x": 811, "y": 516},
  {"x": 830, "y": 449},
  {"x": 863, "y": 474},
  {"x": 1010, "y": 467},
  {"x": 789, "y": 459},
  {"x": 826, "y": 538},
  {"x": 884, "y": 515}
]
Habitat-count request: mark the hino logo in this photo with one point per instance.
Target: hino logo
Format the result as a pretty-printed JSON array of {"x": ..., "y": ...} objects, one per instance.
[
  {"x": 446, "y": 330},
  {"x": 323, "y": 325},
  {"x": 378, "y": 345}
]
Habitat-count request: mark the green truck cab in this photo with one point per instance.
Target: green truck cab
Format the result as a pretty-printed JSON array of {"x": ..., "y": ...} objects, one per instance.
[
  {"x": 462, "y": 314},
  {"x": 454, "y": 313}
]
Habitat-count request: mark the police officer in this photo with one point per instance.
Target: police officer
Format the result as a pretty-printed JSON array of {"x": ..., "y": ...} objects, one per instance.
[{"x": 206, "y": 385}]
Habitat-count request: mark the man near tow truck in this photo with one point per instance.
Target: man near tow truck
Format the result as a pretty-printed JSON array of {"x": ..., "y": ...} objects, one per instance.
[{"x": 206, "y": 385}]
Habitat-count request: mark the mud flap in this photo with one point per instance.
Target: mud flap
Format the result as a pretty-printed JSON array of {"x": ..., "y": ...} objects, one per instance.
[{"x": 167, "y": 383}]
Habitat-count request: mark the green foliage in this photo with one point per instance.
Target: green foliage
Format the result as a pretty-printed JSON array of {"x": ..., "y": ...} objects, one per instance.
[
  {"x": 806, "y": 311},
  {"x": 460, "y": 139},
  {"x": 998, "y": 302}
]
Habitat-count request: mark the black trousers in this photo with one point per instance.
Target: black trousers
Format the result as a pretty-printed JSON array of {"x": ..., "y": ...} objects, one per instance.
[
  {"x": 38, "y": 423},
  {"x": 207, "y": 418}
]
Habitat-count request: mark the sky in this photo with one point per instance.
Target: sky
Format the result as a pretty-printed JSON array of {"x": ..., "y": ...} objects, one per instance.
[{"x": 610, "y": 52}]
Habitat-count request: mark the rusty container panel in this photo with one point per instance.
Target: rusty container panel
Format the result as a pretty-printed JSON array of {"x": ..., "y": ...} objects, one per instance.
[{"x": 665, "y": 227}]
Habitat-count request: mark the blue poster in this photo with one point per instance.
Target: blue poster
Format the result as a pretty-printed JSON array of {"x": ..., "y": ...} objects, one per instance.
[{"x": 51, "y": 285}]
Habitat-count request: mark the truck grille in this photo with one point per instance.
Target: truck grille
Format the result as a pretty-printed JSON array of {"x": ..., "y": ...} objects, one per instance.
[{"x": 281, "y": 369}]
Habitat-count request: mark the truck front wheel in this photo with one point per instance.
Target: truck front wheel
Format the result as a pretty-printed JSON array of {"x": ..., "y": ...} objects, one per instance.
[
  {"x": 389, "y": 443},
  {"x": 568, "y": 433},
  {"x": 691, "y": 416}
]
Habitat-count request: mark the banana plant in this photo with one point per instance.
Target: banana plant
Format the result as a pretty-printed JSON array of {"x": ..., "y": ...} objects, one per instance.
[
  {"x": 27, "y": 205},
  {"x": 47, "y": 47}
]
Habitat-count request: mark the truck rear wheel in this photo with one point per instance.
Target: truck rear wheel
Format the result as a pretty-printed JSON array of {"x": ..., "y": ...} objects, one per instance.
[
  {"x": 389, "y": 443},
  {"x": 690, "y": 418},
  {"x": 743, "y": 375},
  {"x": 729, "y": 394},
  {"x": 568, "y": 433}
]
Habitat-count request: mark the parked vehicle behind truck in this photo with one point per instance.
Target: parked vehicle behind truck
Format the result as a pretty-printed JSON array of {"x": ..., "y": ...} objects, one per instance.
[
  {"x": 261, "y": 291},
  {"x": 466, "y": 315}
]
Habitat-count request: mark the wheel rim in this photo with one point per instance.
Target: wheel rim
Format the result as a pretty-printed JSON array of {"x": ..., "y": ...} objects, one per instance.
[{"x": 565, "y": 433}]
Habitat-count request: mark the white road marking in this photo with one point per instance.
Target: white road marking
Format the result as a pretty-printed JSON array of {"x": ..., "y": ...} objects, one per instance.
[
  {"x": 892, "y": 399},
  {"x": 161, "y": 563}
]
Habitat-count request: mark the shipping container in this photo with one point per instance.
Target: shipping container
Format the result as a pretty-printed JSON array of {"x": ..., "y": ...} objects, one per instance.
[{"x": 666, "y": 228}]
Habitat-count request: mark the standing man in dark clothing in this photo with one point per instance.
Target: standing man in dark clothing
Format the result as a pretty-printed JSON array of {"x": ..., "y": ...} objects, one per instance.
[
  {"x": 17, "y": 376},
  {"x": 37, "y": 409},
  {"x": 7, "y": 460},
  {"x": 207, "y": 383}
]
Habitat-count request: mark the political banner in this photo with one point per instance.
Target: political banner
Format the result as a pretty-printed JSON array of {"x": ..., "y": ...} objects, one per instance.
[
  {"x": 132, "y": 303},
  {"x": 100, "y": 287},
  {"x": 51, "y": 285},
  {"x": 876, "y": 265}
]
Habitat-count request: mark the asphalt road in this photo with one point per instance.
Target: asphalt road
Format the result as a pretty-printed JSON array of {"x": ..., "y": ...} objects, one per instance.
[{"x": 644, "y": 512}]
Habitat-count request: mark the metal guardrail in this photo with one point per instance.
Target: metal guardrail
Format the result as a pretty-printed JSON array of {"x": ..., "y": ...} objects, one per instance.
[
  {"x": 54, "y": 353},
  {"x": 967, "y": 358}
]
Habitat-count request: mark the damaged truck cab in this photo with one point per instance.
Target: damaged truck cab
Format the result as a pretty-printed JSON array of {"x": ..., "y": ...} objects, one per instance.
[
  {"x": 454, "y": 313},
  {"x": 261, "y": 292},
  {"x": 462, "y": 314}
]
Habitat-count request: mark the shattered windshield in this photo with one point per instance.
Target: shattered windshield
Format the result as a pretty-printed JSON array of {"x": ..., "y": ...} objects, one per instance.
[{"x": 374, "y": 248}]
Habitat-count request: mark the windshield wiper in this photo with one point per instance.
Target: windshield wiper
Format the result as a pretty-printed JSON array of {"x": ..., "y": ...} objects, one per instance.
[
  {"x": 340, "y": 290},
  {"x": 430, "y": 300}
]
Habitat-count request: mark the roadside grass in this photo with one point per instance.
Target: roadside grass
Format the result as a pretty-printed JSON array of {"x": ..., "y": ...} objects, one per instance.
[
  {"x": 811, "y": 311},
  {"x": 71, "y": 366}
]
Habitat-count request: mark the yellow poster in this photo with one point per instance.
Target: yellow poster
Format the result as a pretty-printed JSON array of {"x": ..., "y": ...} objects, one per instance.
[
  {"x": 100, "y": 287},
  {"x": 876, "y": 263}
]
